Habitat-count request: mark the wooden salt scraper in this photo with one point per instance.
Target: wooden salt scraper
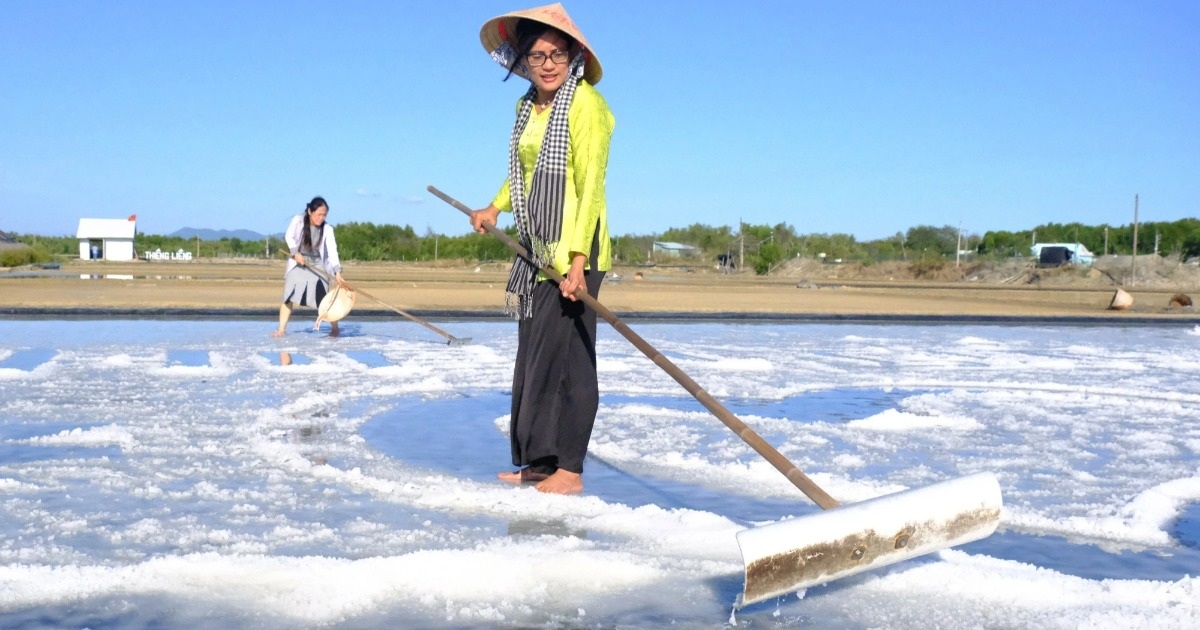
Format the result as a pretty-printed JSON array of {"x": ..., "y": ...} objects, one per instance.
[
  {"x": 842, "y": 540},
  {"x": 450, "y": 339}
]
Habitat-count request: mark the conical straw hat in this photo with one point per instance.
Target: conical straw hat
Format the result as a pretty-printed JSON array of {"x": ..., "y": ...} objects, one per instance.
[
  {"x": 1121, "y": 301},
  {"x": 335, "y": 305},
  {"x": 502, "y": 30}
]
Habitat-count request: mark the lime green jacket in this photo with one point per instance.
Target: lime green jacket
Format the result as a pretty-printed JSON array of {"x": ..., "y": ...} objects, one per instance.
[{"x": 584, "y": 212}]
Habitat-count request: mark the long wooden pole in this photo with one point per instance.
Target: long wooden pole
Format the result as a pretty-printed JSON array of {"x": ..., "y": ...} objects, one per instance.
[
  {"x": 756, "y": 442},
  {"x": 450, "y": 338}
]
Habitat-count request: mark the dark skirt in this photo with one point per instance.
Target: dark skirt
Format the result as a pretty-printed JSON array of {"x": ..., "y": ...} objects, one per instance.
[{"x": 555, "y": 391}]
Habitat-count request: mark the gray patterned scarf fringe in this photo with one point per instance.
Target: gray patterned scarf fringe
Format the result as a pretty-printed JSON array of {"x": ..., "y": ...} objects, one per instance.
[{"x": 538, "y": 215}]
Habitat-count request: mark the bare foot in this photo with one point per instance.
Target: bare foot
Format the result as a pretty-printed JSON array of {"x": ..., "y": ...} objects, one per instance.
[
  {"x": 279, "y": 333},
  {"x": 521, "y": 476},
  {"x": 561, "y": 482}
]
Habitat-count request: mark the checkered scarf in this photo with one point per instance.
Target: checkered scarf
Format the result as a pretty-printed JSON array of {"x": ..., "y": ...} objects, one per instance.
[{"x": 538, "y": 215}]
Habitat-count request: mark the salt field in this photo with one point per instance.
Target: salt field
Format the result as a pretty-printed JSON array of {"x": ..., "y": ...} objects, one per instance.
[{"x": 200, "y": 474}]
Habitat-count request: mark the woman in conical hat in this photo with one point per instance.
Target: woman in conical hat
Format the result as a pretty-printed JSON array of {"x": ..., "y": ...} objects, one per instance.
[{"x": 558, "y": 155}]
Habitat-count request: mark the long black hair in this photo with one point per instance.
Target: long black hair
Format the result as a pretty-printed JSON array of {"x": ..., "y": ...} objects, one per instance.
[
  {"x": 313, "y": 206},
  {"x": 526, "y": 33}
]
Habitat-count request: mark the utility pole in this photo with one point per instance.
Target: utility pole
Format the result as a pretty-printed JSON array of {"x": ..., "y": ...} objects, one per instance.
[
  {"x": 1106, "y": 240},
  {"x": 958, "y": 244},
  {"x": 742, "y": 245},
  {"x": 197, "y": 246},
  {"x": 1133, "y": 259}
]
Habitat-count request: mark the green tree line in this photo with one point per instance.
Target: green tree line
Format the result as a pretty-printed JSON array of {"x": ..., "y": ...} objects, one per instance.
[{"x": 760, "y": 247}]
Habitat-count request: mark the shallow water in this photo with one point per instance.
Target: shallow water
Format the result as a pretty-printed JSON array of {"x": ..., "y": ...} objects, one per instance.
[{"x": 202, "y": 474}]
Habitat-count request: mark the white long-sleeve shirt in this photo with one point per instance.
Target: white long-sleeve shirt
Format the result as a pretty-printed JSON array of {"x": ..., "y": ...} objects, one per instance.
[{"x": 327, "y": 247}]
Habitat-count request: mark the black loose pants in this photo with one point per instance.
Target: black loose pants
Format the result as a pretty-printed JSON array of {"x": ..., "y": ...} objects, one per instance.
[{"x": 555, "y": 391}]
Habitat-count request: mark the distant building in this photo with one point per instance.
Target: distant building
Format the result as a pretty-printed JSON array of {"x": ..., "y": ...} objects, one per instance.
[
  {"x": 8, "y": 243},
  {"x": 106, "y": 239},
  {"x": 675, "y": 249},
  {"x": 1062, "y": 253}
]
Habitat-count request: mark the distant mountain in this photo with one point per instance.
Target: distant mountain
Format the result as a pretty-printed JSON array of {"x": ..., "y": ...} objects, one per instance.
[{"x": 216, "y": 235}]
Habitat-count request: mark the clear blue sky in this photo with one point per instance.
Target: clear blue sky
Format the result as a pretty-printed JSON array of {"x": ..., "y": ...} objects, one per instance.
[{"x": 864, "y": 117}]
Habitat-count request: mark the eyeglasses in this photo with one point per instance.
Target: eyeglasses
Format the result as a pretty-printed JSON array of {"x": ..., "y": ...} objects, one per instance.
[{"x": 538, "y": 59}]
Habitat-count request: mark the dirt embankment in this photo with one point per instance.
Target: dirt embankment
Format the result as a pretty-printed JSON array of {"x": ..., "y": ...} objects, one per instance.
[
  {"x": 1007, "y": 289},
  {"x": 1147, "y": 272},
  {"x": 1159, "y": 284}
]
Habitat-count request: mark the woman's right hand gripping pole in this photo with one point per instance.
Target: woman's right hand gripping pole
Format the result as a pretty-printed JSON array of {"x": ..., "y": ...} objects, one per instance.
[{"x": 481, "y": 218}]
